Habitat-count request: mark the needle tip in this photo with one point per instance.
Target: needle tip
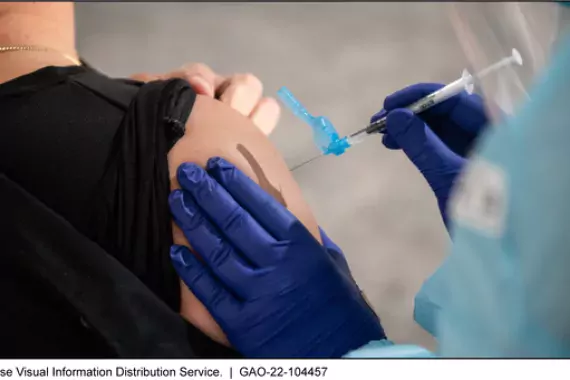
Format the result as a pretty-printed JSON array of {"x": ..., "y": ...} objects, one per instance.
[{"x": 305, "y": 162}]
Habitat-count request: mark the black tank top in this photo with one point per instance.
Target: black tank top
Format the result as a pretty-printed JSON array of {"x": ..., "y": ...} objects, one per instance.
[{"x": 92, "y": 151}]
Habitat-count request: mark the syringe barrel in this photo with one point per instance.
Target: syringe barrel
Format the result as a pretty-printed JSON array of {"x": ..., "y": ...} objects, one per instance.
[
  {"x": 425, "y": 103},
  {"x": 441, "y": 95},
  {"x": 464, "y": 83},
  {"x": 377, "y": 126}
]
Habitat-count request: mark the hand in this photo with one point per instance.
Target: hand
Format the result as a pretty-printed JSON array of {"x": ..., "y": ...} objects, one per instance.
[
  {"x": 242, "y": 92},
  {"x": 437, "y": 140},
  {"x": 273, "y": 289}
]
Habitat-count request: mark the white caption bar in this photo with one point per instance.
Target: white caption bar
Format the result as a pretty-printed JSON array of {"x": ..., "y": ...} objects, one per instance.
[{"x": 342, "y": 369}]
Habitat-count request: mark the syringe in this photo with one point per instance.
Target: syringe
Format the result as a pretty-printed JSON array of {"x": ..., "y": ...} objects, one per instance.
[
  {"x": 329, "y": 141},
  {"x": 464, "y": 83}
]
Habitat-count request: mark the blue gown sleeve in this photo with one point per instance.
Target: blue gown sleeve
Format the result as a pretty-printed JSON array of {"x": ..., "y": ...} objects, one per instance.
[
  {"x": 508, "y": 272},
  {"x": 387, "y": 349},
  {"x": 431, "y": 299}
]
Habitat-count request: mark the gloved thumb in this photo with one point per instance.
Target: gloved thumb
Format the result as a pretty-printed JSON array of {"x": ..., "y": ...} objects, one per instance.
[
  {"x": 389, "y": 142},
  {"x": 423, "y": 147}
]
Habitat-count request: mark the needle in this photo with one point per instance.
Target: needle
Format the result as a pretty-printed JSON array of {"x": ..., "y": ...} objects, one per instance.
[{"x": 306, "y": 162}]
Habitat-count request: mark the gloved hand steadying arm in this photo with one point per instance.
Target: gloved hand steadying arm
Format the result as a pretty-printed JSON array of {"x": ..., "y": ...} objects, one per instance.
[
  {"x": 437, "y": 140},
  {"x": 272, "y": 287}
]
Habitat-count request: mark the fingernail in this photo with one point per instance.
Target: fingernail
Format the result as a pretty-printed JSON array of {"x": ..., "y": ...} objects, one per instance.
[
  {"x": 217, "y": 163},
  {"x": 201, "y": 85},
  {"x": 182, "y": 207},
  {"x": 190, "y": 172},
  {"x": 213, "y": 162},
  {"x": 177, "y": 254}
]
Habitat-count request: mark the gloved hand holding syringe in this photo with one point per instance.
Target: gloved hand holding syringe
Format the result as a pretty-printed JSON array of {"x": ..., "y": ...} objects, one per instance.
[{"x": 329, "y": 141}]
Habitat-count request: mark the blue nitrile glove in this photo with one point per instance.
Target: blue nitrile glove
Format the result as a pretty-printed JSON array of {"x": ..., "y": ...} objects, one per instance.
[
  {"x": 272, "y": 288},
  {"x": 338, "y": 257},
  {"x": 437, "y": 140},
  {"x": 335, "y": 252}
]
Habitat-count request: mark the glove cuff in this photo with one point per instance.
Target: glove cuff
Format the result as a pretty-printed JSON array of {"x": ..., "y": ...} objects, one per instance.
[
  {"x": 387, "y": 349},
  {"x": 369, "y": 349}
]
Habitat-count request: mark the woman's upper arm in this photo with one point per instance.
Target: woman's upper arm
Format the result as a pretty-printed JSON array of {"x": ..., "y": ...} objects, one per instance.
[{"x": 214, "y": 129}]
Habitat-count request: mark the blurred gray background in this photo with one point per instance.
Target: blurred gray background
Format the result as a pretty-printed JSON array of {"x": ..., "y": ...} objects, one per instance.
[{"x": 340, "y": 60}]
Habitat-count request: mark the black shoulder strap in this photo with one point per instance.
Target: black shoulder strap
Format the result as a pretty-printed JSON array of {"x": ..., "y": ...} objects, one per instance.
[
  {"x": 131, "y": 319},
  {"x": 119, "y": 93}
]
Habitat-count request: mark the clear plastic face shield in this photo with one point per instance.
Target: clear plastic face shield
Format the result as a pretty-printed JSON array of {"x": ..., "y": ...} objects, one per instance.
[{"x": 488, "y": 32}]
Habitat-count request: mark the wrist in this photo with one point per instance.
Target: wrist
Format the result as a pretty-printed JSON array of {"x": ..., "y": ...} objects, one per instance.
[
  {"x": 442, "y": 175},
  {"x": 442, "y": 182}
]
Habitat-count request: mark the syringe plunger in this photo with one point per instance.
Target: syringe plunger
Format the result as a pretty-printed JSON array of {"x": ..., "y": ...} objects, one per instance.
[{"x": 465, "y": 83}]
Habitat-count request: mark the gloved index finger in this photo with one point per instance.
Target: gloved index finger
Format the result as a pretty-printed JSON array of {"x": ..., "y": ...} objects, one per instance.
[
  {"x": 220, "y": 256},
  {"x": 273, "y": 216},
  {"x": 413, "y": 93},
  {"x": 233, "y": 221}
]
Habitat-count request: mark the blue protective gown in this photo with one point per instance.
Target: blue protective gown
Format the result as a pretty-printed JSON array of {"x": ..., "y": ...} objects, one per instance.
[{"x": 502, "y": 290}]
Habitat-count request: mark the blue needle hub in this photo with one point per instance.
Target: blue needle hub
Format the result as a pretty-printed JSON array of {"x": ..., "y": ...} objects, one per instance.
[{"x": 325, "y": 135}]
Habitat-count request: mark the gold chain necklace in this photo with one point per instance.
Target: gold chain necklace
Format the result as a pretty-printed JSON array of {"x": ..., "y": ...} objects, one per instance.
[{"x": 7, "y": 49}]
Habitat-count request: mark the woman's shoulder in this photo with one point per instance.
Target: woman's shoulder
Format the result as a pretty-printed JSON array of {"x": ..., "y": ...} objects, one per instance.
[
  {"x": 58, "y": 124},
  {"x": 40, "y": 79}
]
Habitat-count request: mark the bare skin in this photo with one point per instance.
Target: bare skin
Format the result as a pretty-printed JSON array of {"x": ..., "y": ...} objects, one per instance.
[
  {"x": 233, "y": 127},
  {"x": 52, "y": 25},
  {"x": 242, "y": 92},
  {"x": 214, "y": 129},
  {"x": 48, "y": 25}
]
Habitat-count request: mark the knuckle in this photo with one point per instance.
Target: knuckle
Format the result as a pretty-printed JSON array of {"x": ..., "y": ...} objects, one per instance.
[
  {"x": 252, "y": 81},
  {"x": 205, "y": 191},
  {"x": 192, "y": 223},
  {"x": 216, "y": 297},
  {"x": 229, "y": 175},
  {"x": 271, "y": 104},
  {"x": 234, "y": 220},
  {"x": 197, "y": 68},
  {"x": 220, "y": 255},
  {"x": 194, "y": 278},
  {"x": 296, "y": 228}
]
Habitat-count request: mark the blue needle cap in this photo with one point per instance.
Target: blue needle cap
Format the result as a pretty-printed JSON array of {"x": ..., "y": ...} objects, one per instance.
[{"x": 325, "y": 135}]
